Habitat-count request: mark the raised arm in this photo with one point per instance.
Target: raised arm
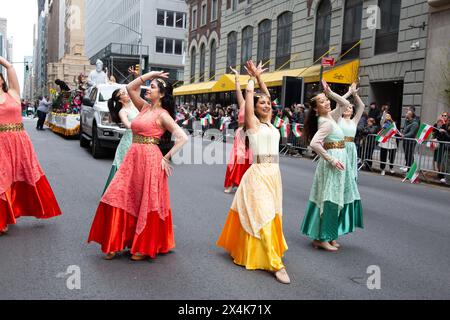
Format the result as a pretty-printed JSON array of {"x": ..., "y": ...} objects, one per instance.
[
  {"x": 13, "y": 82},
  {"x": 325, "y": 128},
  {"x": 258, "y": 71},
  {"x": 134, "y": 88},
  {"x": 239, "y": 95},
  {"x": 342, "y": 103},
  {"x": 359, "y": 105},
  {"x": 250, "y": 118}
]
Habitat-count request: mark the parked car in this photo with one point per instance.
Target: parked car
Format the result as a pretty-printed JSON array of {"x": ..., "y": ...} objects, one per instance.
[{"x": 96, "y": 127}]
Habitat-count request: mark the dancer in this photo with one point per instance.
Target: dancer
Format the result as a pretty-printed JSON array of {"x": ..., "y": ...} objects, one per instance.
[
  {"x": 351, "y": 216},
  {"x": 122, "y": 111},
  {"x": 135, "y": 211},
  {"x": 253, "y": 233},
  {"x": 241, "y": 156},
  {"x": 24, "y": 189},
  {"x": 322, "y": 217}
]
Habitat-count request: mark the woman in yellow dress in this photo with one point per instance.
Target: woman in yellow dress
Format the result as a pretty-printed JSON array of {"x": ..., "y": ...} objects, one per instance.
[{"x": 253, "y": 232}]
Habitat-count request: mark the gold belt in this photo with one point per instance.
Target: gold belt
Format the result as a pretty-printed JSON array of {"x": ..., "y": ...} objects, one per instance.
[
  {"x": 145, "y": 140},
  {"x": 11, "y": 127},
  {"x": 349, "y": 139},
  {"x": 334, "y": 145},
  {"x": 270, "y": 158}
]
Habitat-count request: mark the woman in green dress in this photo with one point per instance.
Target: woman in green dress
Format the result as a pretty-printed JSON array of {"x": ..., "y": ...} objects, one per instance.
[
  {"x": 322, "y": 217},
  {"x": 123, "y": 112}
]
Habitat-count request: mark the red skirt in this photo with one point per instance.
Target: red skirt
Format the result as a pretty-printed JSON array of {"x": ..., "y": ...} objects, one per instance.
[
  {"x": 235, "y": 172},
  {"x": 115, "y": 230},
  {"x": 241, "y": 159},
  {"x": 24, "y": 200}
]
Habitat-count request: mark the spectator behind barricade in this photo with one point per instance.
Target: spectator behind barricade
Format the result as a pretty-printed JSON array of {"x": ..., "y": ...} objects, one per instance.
[
  {"x": 410, "y": 130},
  {"x": 389, "y": 148},
  {"x": 442, "y": 136},
  {"x": 369, "y": 141},
  {"x": 385, "y": 110},
  {"x": 374, "y": 113}
]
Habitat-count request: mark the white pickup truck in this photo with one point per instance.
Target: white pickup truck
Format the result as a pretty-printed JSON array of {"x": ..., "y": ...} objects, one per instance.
[{"x": 96, "y": 127}]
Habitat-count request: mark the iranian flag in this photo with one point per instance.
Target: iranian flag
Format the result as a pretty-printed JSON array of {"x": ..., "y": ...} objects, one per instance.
[
  {"x": 296, "y": 130},
  {"x": 210, "y": 119},
  {"x": 186, "y": 122},
  {"x": 424, "y": 133},
  {"x": 413, "y": 174},
  {"x": 222, "y": 124},
  {"x": 204, "y": 122},
  {"x": 275, "y": 103},
  {"x": 278, "y": 123},
  {"x": 388, "y": 132},
  {"x": 285, "y": 130}
]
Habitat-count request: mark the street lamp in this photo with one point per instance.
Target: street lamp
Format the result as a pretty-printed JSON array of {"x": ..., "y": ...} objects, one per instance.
[{"x": 139, "y": 41}]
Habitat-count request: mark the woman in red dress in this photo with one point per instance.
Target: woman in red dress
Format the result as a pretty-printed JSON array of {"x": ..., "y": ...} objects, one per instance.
[
  {"x": 135, "y": 211},
  {"x": 24, "y": 189}
]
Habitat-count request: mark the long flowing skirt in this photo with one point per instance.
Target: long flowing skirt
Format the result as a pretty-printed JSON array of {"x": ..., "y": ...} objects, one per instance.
[{"x": 240, "y": 161}]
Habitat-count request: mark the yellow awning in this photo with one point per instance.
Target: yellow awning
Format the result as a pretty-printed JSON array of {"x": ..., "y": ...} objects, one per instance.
[
  {"x": 346, "y": 73},
  {"x": 194, "y": 88}
]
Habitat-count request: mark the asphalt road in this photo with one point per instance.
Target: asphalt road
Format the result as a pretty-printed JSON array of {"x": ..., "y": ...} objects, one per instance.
[{"x": 407, "y": 236}]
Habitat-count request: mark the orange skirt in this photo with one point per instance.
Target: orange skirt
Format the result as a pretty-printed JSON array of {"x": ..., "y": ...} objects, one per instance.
[
  {"x": 250, "y": 252},
  {"x": 24, "y": 200},
  {"x": 115, "y": 230}
]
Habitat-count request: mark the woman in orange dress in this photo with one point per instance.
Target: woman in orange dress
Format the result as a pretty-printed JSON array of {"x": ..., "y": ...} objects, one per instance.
[
  {"x": 241, "y": 155},
  {"x": 135, "y": 210},
  {"x": 24, "y": 189}
]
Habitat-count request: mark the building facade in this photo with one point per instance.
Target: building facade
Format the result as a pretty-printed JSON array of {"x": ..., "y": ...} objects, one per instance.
[
  {"x": 387, "y": 38},
  {"x": 163, "y": 30},
  {"x": 40, "y": 52}
]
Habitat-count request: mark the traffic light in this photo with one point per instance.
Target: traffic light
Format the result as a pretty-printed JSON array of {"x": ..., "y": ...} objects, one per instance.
[{"x": 27, "y": 68}]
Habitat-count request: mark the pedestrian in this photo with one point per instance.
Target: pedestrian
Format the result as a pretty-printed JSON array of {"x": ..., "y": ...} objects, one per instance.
[
  {"x": 369, "y": 142},
  {"x": 122, "y": 111},
  {"x": 388, "y": 149},
  {"x": 442, "y": 136},
  {"x": 24, "y": 189},
  {"x": 43, "y": 109},
  {"x": 135, "y": 210},
  {"x": 375, "y": 113},
  {"x": 253, "y": 232},
  {"x": 409, "y": 143},
  {"x": 322, "y": 216}
]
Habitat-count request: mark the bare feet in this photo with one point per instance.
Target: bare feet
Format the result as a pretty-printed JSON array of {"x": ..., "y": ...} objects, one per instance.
[
  {"x": 138, "y": 257},
  {"x": 324, "y": 245},
  {"x": 282, "y": 276},
  {"x": 110, "y": 256},
  {"x": 4, "y": 231},
  {"x": 335, "y": 244},
  {"x": 229, "y": 190}
]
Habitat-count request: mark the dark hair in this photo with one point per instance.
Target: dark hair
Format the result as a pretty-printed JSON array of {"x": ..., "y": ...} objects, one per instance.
[
  {"x": 258, "y": 95},
  {"x": 168, "y": 104},
  {"x": 4, "y": 85},
  {"x": 114, "y": 106},
  {"x": 311, "y": 122}
]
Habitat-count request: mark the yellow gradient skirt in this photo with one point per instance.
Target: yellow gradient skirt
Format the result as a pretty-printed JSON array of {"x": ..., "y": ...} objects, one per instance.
[{"x": 250, "y": 252}]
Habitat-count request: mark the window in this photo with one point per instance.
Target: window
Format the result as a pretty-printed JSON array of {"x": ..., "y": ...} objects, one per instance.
[
  {"x": 323, "y": 26},
  {"x": 179, "y": 47},
  {"x": 387, "y": 37},
  {"x": 194, "y": 19},
  {"x": 193, "y": 66},
  {"x": 284, "y": 38},
  {"x": 246, "y": 47},
  {"x": 169, "y": 18},
  {"x": 169, "y": 46},
  {"x": 352, "y": 28},
  {"x": 179, "y": 20},
  {"x": 204, "y": 12},
  {"x": 202, "y": 62},
  {"x": 234, "y": 5},
  {"x": 212, "y": 61},
  {"x": 264, "y": 38},
  {"x": 214, "y": 7},
  {"x": 160, "y": 20},
  {"x": 160, "y": 45},
  {"x": 231, "y": 50}
]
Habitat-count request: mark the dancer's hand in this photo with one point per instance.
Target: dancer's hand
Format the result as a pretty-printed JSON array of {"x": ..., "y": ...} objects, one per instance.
[
  {"x": 354, "y": 89},
  {"x": 4, "y": 62},
  {"x": 259, "y": 70},
  {"x": 251, "y": 68},
  {"x": 326, "y": 87},
  {"x": 157, "y": 74},
  {"x": 338, "y": 165},
  {"x": 236, "y": 73},
  {"x": 167, "y": 168}
]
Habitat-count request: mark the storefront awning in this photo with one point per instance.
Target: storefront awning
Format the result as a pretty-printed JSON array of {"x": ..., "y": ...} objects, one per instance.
[
  {"x": 346, "y": 73},
  {"x": 194, "y": 88}
]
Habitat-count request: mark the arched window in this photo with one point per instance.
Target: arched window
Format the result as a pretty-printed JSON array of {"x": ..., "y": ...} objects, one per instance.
[
  {"x": 352, "y": 28},
  {"x": 246, "y": 48},
  {"x": 212, "y": 61},
  {"x": 231, "y": 50},
  {"x": 193, "y": 66},
  {"x": 284, "y": 41},
  {"x": 202, "y": 63},
  {"x": 323, "y": 26},
  {"x": 387, "y": 37},
  {"x": 264, "y": 39}
]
